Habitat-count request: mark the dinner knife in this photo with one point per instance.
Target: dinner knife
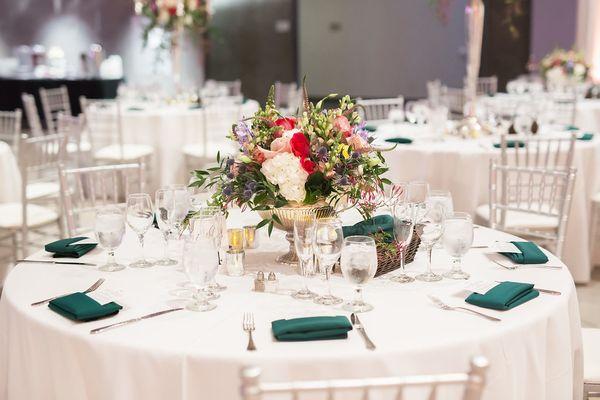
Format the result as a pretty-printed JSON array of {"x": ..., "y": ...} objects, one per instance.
[
  {"x": 547, "y": 291},
  {"x": 129, "y": 321},
  {"x": 359, "y": 327},
  {"x": 55, "y": 262}
]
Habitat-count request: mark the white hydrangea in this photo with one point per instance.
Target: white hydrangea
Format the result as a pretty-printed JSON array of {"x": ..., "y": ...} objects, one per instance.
[
  {"x": 579, "y": 70},
  {"x": 286, "y": 171},
  {"x": 556, "y": 75}
]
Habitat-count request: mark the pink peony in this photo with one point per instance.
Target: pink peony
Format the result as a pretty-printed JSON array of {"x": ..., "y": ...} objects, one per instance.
[
  {"x": 358, "y": 143},
  {"x": 341, "y": 124}
]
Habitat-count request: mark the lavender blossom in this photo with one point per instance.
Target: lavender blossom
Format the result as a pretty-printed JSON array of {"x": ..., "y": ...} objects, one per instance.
[
  {"x": 227, "y": 190},
  {"x": 361, "y": 131},
  {"x": 243, "y": 132}
]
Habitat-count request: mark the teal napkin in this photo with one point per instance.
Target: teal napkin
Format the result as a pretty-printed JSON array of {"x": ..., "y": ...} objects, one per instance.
[
  {"x": 370, "y": 226},
  {"x": 195, "y": 107},
  {"x": 399, "y": 140},
  {"x": 80, "y": 307},
  {"x": 571, "y": 128},
  {"x": 63, "y": 248},
  {"x": 586, "y": 136},
  {"x": 510, "y": 144},
  {"x": 133, "y": 108},
  {"x": 504, "y": 296},
  {"x": 370, "y": 128},
  {"x": 530, "y": 254},
  {"x": 311, "y": 328}
]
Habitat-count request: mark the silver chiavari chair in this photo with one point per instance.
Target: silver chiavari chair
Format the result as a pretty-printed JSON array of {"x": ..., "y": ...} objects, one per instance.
[
  {"x": 473, "y": 382},
  {"x": 83, "y": 190},
  {"x": 76, "y": 146},
  {"x": 538, "y": 152},
  {"x": 374, "y": 110},
  {"x": 10, "y": 128},
  {"x": 288, "y": 96},
  {"x": 455, "y": 99},
  {"x": 32, "y": 114},
  {"x": 54, "y": 101},
  {"x": 487, "y": 85},
  {"x": 531, "y": 202}
]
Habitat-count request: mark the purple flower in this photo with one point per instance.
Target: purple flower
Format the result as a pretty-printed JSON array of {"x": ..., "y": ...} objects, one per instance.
[
  {"x": 343, "y": 181},
  {"x": 322, "y": 154},
  {"x": 355, "y": 154},
  {"x": 247, "y": 194},
  {"x": 230, "y": 175},
  {"x": 242, "y": 132},
  {"x": 227, "y": 191},
  {"x": 230, "y": 162},
  {"x": 361, "y": 131},
  {"x": 251, "y": 186}
]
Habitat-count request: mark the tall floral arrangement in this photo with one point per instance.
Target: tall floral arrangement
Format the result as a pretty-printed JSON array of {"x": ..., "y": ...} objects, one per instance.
[
  {"x": 319, "y": 156},
  {"x": 564, "y": 67}
]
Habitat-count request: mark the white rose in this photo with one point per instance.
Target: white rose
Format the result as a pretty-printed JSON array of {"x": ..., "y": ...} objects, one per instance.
[
  {"x": 556, "y": 75},
  {"x": 286, "y": 171},
  {"x": 579, "y": 70}
]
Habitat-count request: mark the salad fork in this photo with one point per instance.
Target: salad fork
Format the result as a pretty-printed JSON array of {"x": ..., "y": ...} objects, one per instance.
[
  {"x": 248, "y": 326},
  {"x": 445, "y": 306}
]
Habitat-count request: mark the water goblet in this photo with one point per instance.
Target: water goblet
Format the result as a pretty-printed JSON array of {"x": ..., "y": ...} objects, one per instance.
[
  {"x": 458, "y": 238},
  {"x": 139, "y": 218},
  {"x": 164, "y": 203},
  {"x": 433, "y": 228},
  {"x": 110, "y": 228},
  {"x": 200, "y": 266},
  {"x": 443, "y": 198},
  {"x": 403, "y": 233},
  {"x": 304, "y": 239},
  {"x": 416, "y": 195},
  {"x": 328, "y": 247},
  {"x": 359, "y": 264}
]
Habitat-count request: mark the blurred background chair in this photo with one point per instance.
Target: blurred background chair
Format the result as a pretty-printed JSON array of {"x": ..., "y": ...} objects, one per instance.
[
  {"x": 10, "y": 128},
  {"x": 377, "y": 110},
  {"x": 54, "y": 101},
  {"x": 32, "y": 115}
]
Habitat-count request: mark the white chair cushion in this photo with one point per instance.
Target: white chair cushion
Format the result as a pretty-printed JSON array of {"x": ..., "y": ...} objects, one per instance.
[
  {"x": 130, "y": 152},
  {"x": 11, "y": 215},
  {"x": 519, "y": 219},
  {"x": 591, "y": 355},
  {"x": 84, "y": 147},
  {"x": 197, "y": 149},
  {"x": 42, "y": 189}
]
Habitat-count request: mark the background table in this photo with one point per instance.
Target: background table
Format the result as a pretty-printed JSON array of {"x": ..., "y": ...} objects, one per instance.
[
  {"x": 587, "y": 115},
  {"x": 462, "y": 167},
  {"x": 535, "y": 352},
  {"x": 10, "y": 177}
]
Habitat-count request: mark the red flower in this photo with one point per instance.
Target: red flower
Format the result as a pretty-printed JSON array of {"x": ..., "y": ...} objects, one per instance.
[
  {"x": 300, "y": 145},
  {"x": 172, "y": 11},
  {"x": 286, "y": 123},
  {"x": 308, "y": 165}
]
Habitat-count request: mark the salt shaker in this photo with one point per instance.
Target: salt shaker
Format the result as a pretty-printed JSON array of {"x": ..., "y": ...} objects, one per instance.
[
  {"x": 271, "y": 284},
  {"x": 259, "y": 282}
]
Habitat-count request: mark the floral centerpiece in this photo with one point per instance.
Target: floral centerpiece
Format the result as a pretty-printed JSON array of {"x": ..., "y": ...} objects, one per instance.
[
  {"x": 563, "y": 67},
  {"x": 316, "y": 161}
]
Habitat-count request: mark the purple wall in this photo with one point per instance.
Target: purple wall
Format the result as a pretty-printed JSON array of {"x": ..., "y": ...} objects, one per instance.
[{"x": 552, "y": 25}]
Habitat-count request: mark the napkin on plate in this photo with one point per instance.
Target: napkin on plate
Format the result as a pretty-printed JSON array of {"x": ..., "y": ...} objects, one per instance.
[
  {"x": 571, "y": 128},
  {"x": 370, "y": 226},
  {"x": 399, "y": 140},
  {"x": 195, "y": 106},
  {"x": 64, "y": 248},
  {"x": 80, "y": 307},
  {"x": 504, "y": 296},
  {"x": 370, "y": 128},
  {"x": 530, "y": 254},
  {"x": 311, "y": 328},
  {"x": 586, "y": 136},
  {"x": 510, "y": 144}
]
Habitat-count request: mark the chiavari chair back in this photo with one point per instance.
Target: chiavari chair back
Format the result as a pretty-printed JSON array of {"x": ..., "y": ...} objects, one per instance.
[
  {"x": 487, "y": 85},
  {"x": 32, "y": 114},
  {"x": 83, "y": 190},
  {"x": 54, "y": 101},
  {"x": 72, "y": 129},
  {"x": 374, "y": 110},
  {"x": 288, "y": 96},
  {"x": 538, "y": 152},
  {"x": 10, "y": 128},
  {"x": 473, "y": 383}
]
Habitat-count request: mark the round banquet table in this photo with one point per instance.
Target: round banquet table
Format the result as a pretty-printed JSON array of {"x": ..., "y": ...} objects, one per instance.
[
  {"x": 534, "y": 352},
  {"x": 462, "y": 167},
  {"x": 10, "y": 177},
  {"x": 587, "y": 115}
]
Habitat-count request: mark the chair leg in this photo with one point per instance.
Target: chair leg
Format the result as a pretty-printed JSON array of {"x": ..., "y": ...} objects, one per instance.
[{"x": 15, "y": 246}]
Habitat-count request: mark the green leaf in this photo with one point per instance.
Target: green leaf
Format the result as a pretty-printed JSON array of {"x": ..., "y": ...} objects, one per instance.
[
  {"x": 276, "y": 219},
  {"x": 270, "y": 229},
  {"x": 262, "y": 223}
]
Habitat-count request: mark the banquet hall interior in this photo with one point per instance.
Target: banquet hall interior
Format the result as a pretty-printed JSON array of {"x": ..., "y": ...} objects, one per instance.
[{"x": 300, "y": 199}]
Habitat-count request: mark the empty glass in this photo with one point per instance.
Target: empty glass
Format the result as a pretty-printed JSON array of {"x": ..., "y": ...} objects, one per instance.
[
  {"x": 200, "y": 266},
  {"x": 140, "y": 218},
  {"x": 458, "y": 238},
  {"x": 110, "y": 228},
  {"x": 417, "y": 194},
  {"x": 403, "y": 232},
  {"x": 165, "y": 203},
  {"x": 359, "y": 264},
  {"x": 304, "y": 239},
  {"x": 328, "y": 247},
  {"x": 443, "y": 198},
  {"x": 433, "y": 228},
  {"x": 396, "y": 194},
  {"x": 523, "y": 124},
  {"x": 208, "y": 224}
]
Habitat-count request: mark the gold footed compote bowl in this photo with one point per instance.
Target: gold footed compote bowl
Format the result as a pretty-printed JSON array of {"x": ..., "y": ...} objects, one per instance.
[{"x": 287, "y": 215}]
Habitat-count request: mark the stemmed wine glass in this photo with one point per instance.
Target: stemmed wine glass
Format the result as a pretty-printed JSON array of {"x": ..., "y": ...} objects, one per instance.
[
  {"x": 164, "y": 202},
  {"x": 396, "y": 194},
  {"x": 403, "y": 232},
  {"x": 433, "y": 228},
  {"x": 210, "y": 222},
  {"x": 304, "y": 238},
  {"x": 444, "y": 199},
  {"x": 328, "y": 247},
  {"x": 359, "y": 264},
  {"x": 200, "y": 266},
  {"x": 139, "y": 218},
  {"x": 458, "y": 238},
  {"x": 416, "y": 196},
  {"x": 110, "y": 228}
]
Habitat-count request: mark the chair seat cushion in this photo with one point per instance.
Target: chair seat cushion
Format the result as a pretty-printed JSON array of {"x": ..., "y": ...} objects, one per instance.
[
  {"x": 197, "y": 149},
  {"x": 84, "y": 147},
  {"x": 520, "y": 219},
  {"x": 591, "y": 355},
  {"x": 129, "y": 152},
  {"x": 11, "y": 215},
  {"x": 38, "y": 190}
]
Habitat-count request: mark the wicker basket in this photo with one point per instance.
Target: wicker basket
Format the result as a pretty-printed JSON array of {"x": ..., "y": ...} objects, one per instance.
[{"x": 388, "y": 263}]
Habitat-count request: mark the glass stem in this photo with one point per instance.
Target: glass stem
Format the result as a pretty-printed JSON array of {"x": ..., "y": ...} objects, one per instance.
[
  {"x": 358, "y": 298},
  {"x": 402, "y": 271},
  {"x": 327, "y": 275},
  {"x": 141, "y": 239},
  {"x": 111, "y": 257},
  {"x": 166, "y": 237},
  {"x": 456, "y": 264},
  {"x": 430, "y": 250},
  {"x": 304, "y": 273}
]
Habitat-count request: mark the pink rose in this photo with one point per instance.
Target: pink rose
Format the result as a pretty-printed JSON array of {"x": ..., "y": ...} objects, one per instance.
[
  {"x": 341, "y": 124},
  {"x": 358, "y": 143},
  {"x": 281, "y": 144}
]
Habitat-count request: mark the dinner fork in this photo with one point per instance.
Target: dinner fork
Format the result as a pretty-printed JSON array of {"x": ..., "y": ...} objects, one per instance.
[
  {"x": 248, "y": 326},
  {"x": 95, "y": 286},
  {"x": 445, "y": 306}
]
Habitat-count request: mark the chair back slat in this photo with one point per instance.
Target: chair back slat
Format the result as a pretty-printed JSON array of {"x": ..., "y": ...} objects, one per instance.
[
  {"x": 10, "y": 128},
  {"x": 54, "y": 101},
  {"x": 72, "y": 128},
  {"x": 103, "y": 123},
  {"x": 32, "y": 114},
  {"x": 378, "y": 109},
  {"x": 288, "y": 96}
]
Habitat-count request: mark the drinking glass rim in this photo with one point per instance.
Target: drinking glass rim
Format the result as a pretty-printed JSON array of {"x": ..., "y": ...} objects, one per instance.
[
  {"x": 359, "y": 239},
  {"x": 459, "y": 215}
]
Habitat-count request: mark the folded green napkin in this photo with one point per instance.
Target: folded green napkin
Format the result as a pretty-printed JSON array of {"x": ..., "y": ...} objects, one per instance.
[
  {"x": 530, "y": 254},
  {"x": 571, "y": 128},
  {"x": 586, "y": 136},
  {"x": 195, "y": 107},
  {"x": 64, "y": 248},
  {"x": 399, "y": 140},
  {"x": 510, "y": 144},
  {"x": 370, "y": 128},
  {"x": 311, "y": 328},
  {"x": 504, "y": 296},
  {"x": 370, "y": 226},
  {"x": 80, "y": 307}
]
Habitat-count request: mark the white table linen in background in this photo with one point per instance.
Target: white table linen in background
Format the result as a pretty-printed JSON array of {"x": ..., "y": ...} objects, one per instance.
[
  {"x": 535, "y": 352},
  {"x": 10, "y": 177},
  {"x": 462, "y": 167},
  {"x": 587, "y": 115}
]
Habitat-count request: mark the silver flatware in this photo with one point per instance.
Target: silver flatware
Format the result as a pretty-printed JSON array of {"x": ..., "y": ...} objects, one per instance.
[
  {"x": 445, "y": 306},
  {"x": 515, "y": 266},
  {"x": 132, "y": 320},
  {"x": 479, "y": 247},
  {"x": 248, "y": 326},
  {"x": 95, "y": 286},
  {"x": 55, "y": 262},
  {"x": 361, "y": 329},
  {"x": 547, "y": 291}
]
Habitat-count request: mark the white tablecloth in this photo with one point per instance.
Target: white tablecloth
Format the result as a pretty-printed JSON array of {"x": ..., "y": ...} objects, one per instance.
[
  {"x": 10, "y": 177},
  {"x": 462, "y": 167},
  {"x": 587, "y": 116},
  {"x": 535, "y": 352}
]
